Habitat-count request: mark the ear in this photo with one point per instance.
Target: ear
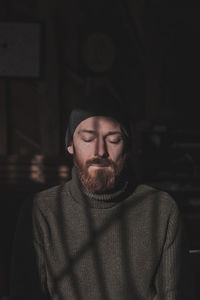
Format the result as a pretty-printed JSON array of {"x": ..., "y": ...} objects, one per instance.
[{"x": 70, "y": 148}]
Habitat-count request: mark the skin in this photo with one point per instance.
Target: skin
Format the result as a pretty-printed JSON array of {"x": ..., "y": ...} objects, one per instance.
[{"x": 98, "y": 137}]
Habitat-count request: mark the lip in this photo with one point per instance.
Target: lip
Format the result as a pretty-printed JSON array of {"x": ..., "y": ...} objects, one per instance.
[{"x": 98, "y": 166}]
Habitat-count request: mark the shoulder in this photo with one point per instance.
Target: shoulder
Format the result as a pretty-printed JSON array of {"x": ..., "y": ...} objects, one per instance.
[
  {"x": 49, "y": 198},
  {"x": 150, "y": 196},
  {"x": 156, "y": 207},
  {"x": 155, "y": 193}
]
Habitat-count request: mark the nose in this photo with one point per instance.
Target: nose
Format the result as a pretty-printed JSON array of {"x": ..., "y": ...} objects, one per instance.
[{"x": 101, "y": 149}]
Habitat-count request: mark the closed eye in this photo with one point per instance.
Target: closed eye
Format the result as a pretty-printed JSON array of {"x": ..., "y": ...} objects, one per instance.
[
  {"x": 115, "y": 140},
  {"x": 87, "y": 137},
  {"x": 87, "y": 140}
]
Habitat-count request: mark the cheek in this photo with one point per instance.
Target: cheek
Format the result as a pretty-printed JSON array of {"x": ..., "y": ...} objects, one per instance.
[
  {"x": 116, "y": 153},
  {"x": 82, "y": 150}
]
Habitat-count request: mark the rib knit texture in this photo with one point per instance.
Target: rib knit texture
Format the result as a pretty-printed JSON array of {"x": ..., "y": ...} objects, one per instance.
[{"x": 73, "y": 245}]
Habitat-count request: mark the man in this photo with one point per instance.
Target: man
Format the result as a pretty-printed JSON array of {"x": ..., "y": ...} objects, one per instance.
[{"x": 99, "y": 236}]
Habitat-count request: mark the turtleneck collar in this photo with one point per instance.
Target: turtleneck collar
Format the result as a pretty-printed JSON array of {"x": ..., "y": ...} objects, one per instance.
[{"x": 84, "y": 197}]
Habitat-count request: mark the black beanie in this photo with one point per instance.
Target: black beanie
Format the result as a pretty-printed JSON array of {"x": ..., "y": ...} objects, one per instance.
[{"x": 99, "y": 103}]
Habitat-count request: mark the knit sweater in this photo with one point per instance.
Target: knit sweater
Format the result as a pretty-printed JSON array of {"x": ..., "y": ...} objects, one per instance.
[{"x": 74, "y": 245}]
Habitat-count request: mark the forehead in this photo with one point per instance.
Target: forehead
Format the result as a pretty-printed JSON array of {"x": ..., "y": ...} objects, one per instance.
[{"x": 99, "y": 124}]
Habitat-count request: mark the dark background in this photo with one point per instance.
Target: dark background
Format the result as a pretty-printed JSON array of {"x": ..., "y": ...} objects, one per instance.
[{"x": 147, "y": 55}]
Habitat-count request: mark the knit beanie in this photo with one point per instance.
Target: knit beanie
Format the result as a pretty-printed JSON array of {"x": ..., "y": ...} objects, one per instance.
[{"x": 99, "y": 103}]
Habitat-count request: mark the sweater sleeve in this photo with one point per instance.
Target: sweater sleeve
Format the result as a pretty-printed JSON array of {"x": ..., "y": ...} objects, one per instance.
[
  {"x": 173, "y": 280},
  {"x": 25, "y": 278}
]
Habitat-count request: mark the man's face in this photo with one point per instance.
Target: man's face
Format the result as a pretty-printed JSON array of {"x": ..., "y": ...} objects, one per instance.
[{"x": 98, "y": 150}]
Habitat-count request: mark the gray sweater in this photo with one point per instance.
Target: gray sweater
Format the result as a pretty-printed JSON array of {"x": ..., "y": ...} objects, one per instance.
[{"x": 73, "y": 245}]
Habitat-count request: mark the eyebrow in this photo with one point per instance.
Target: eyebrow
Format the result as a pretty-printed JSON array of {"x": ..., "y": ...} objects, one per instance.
[
  {"x": 114, "y": 133},
  {"x": 86, "y": 131},
  {"x": 94, "y": 132}
]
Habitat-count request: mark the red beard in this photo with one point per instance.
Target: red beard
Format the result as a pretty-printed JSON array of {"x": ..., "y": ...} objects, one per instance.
[{"x": 99, "y": 180}]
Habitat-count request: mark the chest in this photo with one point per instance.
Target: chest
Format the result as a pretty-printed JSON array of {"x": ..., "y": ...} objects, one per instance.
[{"x": 90, "y": 247}]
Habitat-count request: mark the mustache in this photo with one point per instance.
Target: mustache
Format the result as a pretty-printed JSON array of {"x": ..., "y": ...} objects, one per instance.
[{"x": 99, "y": 161}]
